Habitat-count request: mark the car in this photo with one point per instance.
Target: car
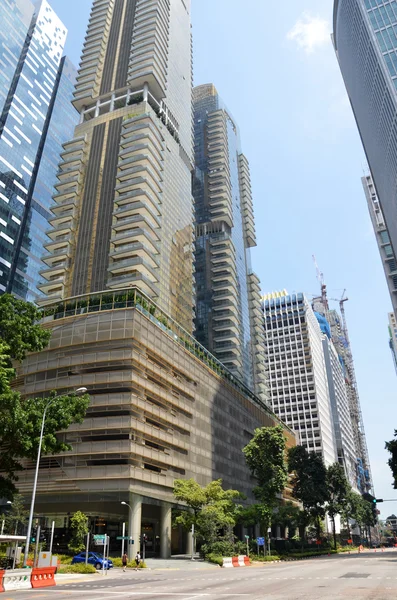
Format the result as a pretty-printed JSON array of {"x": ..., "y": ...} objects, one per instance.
[{"x": 94, "y": 559}]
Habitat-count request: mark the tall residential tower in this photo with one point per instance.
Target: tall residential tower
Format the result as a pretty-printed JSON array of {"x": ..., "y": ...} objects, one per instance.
[
  {"x": 119, "y": 285},
  {"x": 228, "y": 311},
  {"x": 36, "y": 87}
]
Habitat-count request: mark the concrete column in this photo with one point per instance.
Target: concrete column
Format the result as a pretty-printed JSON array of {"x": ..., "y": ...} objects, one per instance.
[
  {"x": 134, "y": 523},
  {"x": 278, "y": 531},
  {"x": 165, "y": 531},
  {"x": 257, "y": 531},
  {"x": 189, "y": 543}
]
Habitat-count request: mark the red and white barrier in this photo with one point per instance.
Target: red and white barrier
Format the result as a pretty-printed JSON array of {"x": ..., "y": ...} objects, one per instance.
[{"x": 236, "y": 561}]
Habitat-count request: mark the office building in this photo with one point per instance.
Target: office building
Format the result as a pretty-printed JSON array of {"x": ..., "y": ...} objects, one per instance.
[
  {"x": 119, "y": 287},
  {"x": 393, "y": 338},
  {"x": 382, "y": 238},
  {"x": 36, "y": 86},
  {"x": 365, "y": 41},
  {"x": 298, "y": 384},
  {"x": 228, "y": 303}
]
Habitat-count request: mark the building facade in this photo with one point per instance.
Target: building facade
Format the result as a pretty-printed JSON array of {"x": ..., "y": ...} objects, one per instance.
[
  {"x": 393, "y": 338},
  {"x": 341, "y": 419},
  {"x": 366, "y": 45},
  {"x": 298, "y": 384},
  {"x": 339, "y": 335},
  {"x": 36, "y": 86},
  {"x": 124, "y": 209},
  {"x": 119, "y": 293},
  {"x": 228, "y": 313},
  {"x": 382, "y": 237},
  {"x": 162, "y": 408}
]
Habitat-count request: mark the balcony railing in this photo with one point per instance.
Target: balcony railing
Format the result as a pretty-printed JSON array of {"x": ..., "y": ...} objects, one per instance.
[{"x": 135, "y": 298}]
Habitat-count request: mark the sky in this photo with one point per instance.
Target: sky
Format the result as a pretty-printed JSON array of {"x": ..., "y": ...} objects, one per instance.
[{"x": 277, "y": 72}]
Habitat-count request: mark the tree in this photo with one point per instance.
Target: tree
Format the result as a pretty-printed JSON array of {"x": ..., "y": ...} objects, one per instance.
[
  {"x": 20, "y": 419},
  {"x": 309, "y": 483},
  {"x": 338, "y": 491},
  {"x": 213, "y": 511},
  {"x": 287, "y": 515},
  {"x": 16, "y": 516},
  {"x": 79, "y": 527},
  {"x": 351, "y": 509},
  {"x": 392, "y": 462},
  {"x": 265, "y": 457}
]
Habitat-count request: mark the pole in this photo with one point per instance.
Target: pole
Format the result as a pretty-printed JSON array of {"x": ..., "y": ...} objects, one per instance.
[
  {"x": 2, "y": 527},
  {"x": 36, "y": 475},
  {"x": 248, "y": 550},
  {"x": 52, "y": 535},
  {"x": 37, "y": 546},
  {"x": 107, "y": 569},
  {"x": 122, "y": 543},
  {"x": 87, "y": 548},
  {"x": 143, "y": 547},
  {"x": 15, "y": 555},
  {"x": 104, "y": 555},
  {"x": 193, "y": 541}
]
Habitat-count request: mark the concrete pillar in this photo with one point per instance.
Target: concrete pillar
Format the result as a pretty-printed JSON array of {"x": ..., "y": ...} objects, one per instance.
[
  {"x": 134, "y": 523},
  {"x": 189, "y": 543},
  {"x": 165, "y": 531},
  {"x": 278, "y": 531},
  {"x": 145, "y": 91}
]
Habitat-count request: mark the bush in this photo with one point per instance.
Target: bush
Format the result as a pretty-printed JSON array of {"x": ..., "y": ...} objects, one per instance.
[
  {"x": 64, "y": 559},
  {"x": 214, "y": 558},
  {"x": 117, "y": 562},
  {"x": 220, "y": 548},
  {"x": 79, "y": 568},
  {"x": 261, "y": 558}
]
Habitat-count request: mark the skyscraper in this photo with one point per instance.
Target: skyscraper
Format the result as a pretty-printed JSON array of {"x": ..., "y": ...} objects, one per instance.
[
  {"x": 228, "y": 314},
  {"x": 339, "y": 335},
  {"x": 382, "y": 238},
  {"x": 124, "y": 209},
  {"x": 298, "y": 385},
  {"x": 119, "y": 285},
  {"x": 36, "y": 86},
  {"x": 393, "y": 338},
  {"x": 365, "y": 41}
]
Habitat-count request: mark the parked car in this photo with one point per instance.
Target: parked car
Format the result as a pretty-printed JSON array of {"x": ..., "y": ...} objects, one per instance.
[{"x": 94, "y": 559}]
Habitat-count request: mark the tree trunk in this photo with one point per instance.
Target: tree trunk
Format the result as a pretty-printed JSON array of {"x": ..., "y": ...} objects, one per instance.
[{"x": 334, "y": 531}]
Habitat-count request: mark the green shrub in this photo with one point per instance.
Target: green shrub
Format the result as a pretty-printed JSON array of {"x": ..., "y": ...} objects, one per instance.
[
  {"x": 117, "y": 562},
  {"x": 261, "y": 558},
  {"x": 79, "y": 568},
  {"x": 214, "y": 558},
  {"x": 219, "y": 548},
  {"x": 64, "y": 559}
]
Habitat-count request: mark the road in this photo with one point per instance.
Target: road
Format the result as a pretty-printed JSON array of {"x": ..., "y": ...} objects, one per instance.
[{"x": 370, "y": 576}]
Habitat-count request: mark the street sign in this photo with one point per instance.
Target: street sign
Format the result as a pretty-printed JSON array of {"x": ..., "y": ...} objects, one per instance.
[
  {"x": 124, "y": 537},
  {"x": 260, "y": 541},
  {"x": 99, "y": 540},
  {"x": 100, "y": 536},
  {"x": 247, "y": 537}
]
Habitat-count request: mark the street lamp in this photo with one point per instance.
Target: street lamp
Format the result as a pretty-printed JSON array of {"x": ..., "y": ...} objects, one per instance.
[
  {"x": 129, "y": 524},
  {"x": 78, "y": 392}
]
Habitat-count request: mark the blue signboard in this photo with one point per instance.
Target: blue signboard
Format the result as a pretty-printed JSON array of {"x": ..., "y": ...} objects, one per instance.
[{"x": 260, "y": 541}]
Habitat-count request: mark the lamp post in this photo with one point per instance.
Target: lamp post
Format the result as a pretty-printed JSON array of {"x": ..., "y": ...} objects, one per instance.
[
  {"x": 129, "y": 527},
  {"x": 78, "y": 392}
]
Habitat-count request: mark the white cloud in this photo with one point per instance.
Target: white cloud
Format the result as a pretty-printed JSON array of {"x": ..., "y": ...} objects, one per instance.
[{"x": 310, "y": 32}]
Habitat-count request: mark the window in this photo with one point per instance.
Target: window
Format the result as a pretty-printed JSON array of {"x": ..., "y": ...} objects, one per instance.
[{"x": 384, "y": 237}]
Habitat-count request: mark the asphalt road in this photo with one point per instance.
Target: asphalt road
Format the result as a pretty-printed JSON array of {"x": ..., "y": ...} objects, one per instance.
[{"x": 370, "y": 576}]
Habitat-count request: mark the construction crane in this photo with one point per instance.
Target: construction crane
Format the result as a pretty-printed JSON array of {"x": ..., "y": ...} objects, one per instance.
[{"x": 320, "y": 278}]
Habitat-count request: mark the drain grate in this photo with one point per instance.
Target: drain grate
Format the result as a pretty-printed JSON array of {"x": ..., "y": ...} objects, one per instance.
[{"x": 355, "y": 576}]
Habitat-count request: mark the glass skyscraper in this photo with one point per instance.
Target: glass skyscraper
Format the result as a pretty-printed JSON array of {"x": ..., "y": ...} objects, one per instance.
[
  {"x": 228, "y": 306},
  {"x": 36, "y": 86},
  {"x": 365, "y": 39}
]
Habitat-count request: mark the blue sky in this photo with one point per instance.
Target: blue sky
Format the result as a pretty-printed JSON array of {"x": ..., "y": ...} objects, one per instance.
[{"x": 276, "y": 70}]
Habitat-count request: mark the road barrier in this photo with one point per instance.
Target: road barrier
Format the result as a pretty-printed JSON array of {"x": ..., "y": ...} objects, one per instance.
[
  {"x": 227, "y": 562},
  {"x": 236, "y": 561},
  {"x": 16, "y": 579},
  {"x": 43, "y": 577},
  {"x": 1, "y": 581}
]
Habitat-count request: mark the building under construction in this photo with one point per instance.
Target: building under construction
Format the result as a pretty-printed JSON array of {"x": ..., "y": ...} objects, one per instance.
[{"x": 340, "y": 338}]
